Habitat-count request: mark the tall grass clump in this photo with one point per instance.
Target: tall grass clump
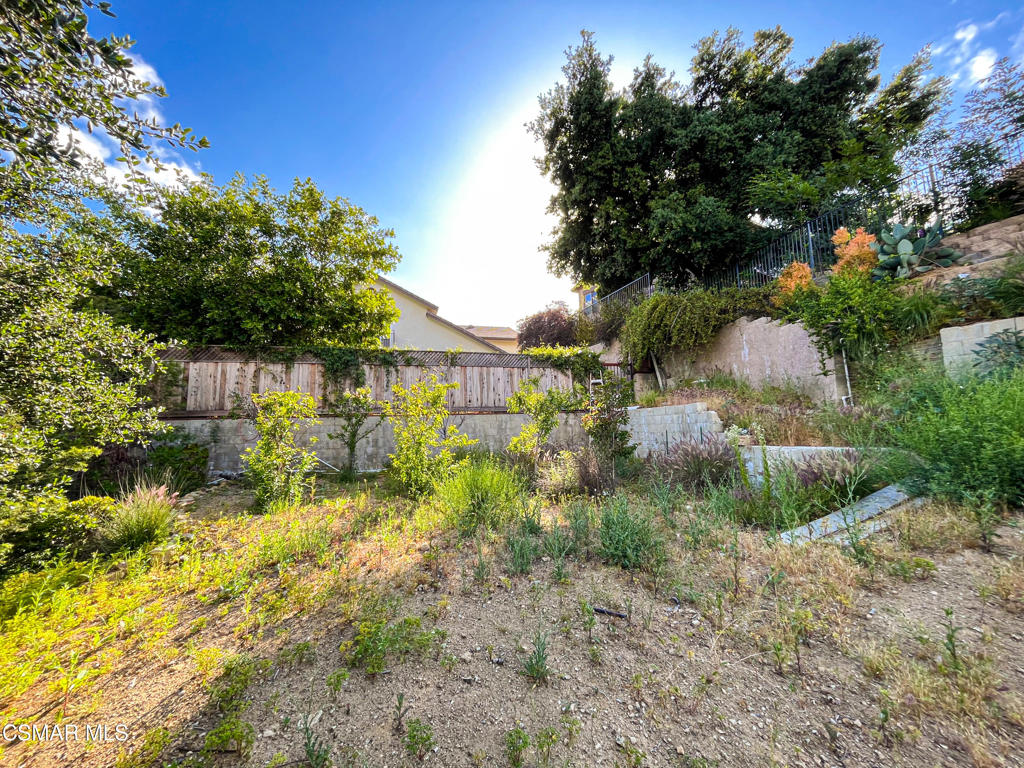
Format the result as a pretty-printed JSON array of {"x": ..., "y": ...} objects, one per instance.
[
  {"x": 145, "y": 515},
  {"x": 697, "y": 464},
  {"x": 482, "y": 492},
  {"x": 964, "y": 439},
  {"x": 628, "y": 536}
]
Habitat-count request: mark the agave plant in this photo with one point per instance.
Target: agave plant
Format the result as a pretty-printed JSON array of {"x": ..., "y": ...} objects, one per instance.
[{"x": 905, "y": 251}]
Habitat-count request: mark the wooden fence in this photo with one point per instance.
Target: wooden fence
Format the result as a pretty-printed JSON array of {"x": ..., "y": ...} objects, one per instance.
[{"x": 211, "y": 381}]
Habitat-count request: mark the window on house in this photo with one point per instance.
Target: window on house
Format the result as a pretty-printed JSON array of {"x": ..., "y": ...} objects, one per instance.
[{"x": 589, "y": 298}]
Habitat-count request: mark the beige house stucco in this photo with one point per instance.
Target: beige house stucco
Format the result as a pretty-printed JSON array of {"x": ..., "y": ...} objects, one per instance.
[{"x": 420, "y": 327}]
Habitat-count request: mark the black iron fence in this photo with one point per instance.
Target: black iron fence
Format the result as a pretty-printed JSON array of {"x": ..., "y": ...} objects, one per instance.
[{"x": 932, "y": 193}]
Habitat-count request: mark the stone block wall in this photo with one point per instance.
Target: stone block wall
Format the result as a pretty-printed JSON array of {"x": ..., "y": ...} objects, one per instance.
[
  {"x": 960, "y": 342},
  {"x": 763, "y": 351},
  {"x": 654, "y": 430}
]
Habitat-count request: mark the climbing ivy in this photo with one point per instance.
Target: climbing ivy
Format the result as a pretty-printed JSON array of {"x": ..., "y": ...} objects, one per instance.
[{"x": 581, "y": 363}]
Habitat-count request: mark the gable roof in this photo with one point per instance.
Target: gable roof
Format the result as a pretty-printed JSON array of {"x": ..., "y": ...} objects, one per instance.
[{"x": 493, "y": 331}]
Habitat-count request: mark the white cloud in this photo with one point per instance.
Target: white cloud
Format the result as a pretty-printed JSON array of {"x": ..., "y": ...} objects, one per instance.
[
  {"x": 981, "y": 65},
  {"x": 99, "y": 149},
  {"x": 968, "y": 55}
]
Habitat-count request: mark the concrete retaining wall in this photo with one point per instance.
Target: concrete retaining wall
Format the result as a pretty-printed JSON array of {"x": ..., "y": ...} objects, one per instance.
[
  {"x": 651, "y": 429},
  {"x": 654, "y": 430},
  {"x": 959, "y": 343},
  {"x": 228, "y": 438},
  {"x": 763, "y": 351}
]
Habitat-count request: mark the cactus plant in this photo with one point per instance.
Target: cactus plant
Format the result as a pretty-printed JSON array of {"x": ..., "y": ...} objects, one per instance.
[{"x": 904, "y": 251}]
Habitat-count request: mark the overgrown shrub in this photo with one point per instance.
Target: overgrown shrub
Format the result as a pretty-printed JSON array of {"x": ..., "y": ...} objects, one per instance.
[
  {"x": 425, "y": 444},
  {"x": 543, "y": 409},
  {"x": 965, "y": 438},
  {"x": 854, "y": 251},
  {"x": 628, "y": 536},
  {"x": 851, "y": 313},
  {"x": 145, "y": 515},
  {"x": 353, "y": 410},
  {"x": 688, "y": 320},
  {"x": 605, "y": 423},
  {"x": 553, "y": 326},
  {"x": 697, "y": 464},
  {"x": 481, "y": 492},
  {"x": 277, "y": 467},
  {"x": 43, "y": 528}
]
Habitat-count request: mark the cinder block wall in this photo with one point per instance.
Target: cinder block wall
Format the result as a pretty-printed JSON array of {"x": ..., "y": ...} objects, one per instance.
[
  {"x": 960, "y": 342},
  {"x": 654, "y": 430},
  {"x": 763, "y": 351}
]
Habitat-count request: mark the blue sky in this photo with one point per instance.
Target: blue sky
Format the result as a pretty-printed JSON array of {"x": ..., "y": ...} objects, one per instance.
[{"x": 415, "y": 111}]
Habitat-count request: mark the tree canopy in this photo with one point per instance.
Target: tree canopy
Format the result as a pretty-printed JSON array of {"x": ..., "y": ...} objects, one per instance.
[
  {"x": 553, "y": 326},
  {"x": 248, "y": 267},
  {"x": 70, "y": 377},
  {"x": 678, "y": 180}
]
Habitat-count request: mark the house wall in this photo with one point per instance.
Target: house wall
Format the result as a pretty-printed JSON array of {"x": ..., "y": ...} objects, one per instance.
[
  {"x": 761, "y": 351},
  {"x": 416, "y": 329},
  {"x": 508, "y": 345}
]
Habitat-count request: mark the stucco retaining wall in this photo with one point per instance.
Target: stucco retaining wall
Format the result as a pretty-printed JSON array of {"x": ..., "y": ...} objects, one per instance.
[
  {"x": 762, "y": 351},
  {"x": 960, "y": 342}
]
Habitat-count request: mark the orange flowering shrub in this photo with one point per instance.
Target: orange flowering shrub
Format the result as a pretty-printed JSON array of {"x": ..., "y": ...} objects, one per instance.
[
  {"x": 854, "y": 251},
  {"x": 793, "y": 279}
]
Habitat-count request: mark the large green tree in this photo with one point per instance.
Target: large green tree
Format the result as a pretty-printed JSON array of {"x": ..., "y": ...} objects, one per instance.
[
  {"x": 248, "y": 267},
  {"x": 680, "y": 180},
  {"x": 70, "y": 378}
]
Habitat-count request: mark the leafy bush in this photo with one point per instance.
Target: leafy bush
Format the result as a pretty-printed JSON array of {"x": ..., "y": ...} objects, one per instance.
[
  {"x": 628, "y": 537},
  {"x": 605, "y": 423},
  {"x": 697, "y": 464},
  {"x": 567, "y": 473},
  {"x": 543, "y": 409},
  {"x": 43, "y": 528},
  {"x": 553, "y": 326},
  {"x": 277, "y": 467},
  {"x": 1000, "y": 353},
  {"x": 353, "y": 409},
  {"x": 144, "y": 516},
  {"x": 965, "y": 439},
  {"x": 851, "y": 313},
  {"x": 481, "y": 492},
  {"x": 793, "y": 280},
  {"x": 854, "y": 251},
  {"x": 425, "y": 444},
  {"x": 579, "y": 362}
]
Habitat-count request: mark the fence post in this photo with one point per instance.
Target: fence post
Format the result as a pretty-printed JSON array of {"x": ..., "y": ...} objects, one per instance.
[{"x": 810, "y": 247}]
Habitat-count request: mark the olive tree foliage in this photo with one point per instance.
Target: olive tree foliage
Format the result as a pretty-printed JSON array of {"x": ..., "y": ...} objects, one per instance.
[
  {"x": 246, "y": 266},
  {"x": 70, "y": 377},
  {"x": 679, "y": 181},
  {"x": 56, "y": 75}
]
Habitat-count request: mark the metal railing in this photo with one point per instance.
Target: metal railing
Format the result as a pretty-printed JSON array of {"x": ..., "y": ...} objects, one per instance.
[
  {"x": 640, "y": 288},
  {"x": 926, "y": 195}
]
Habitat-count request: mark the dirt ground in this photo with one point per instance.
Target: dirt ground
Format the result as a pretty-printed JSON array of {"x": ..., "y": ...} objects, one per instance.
[{"x": 676, "y": 683}]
